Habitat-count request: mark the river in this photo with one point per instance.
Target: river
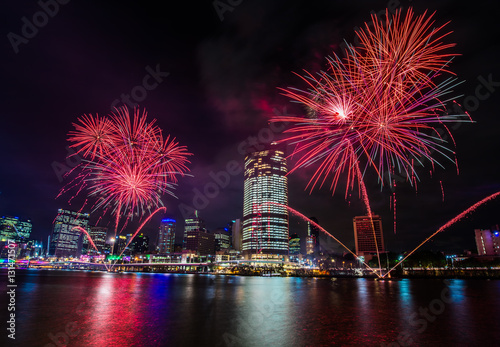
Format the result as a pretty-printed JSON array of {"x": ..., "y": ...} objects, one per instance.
[{"x": 79, "y": 308}]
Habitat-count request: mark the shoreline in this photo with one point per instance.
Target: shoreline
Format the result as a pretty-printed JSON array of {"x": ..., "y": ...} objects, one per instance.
[{"x": 490, "y": 274}]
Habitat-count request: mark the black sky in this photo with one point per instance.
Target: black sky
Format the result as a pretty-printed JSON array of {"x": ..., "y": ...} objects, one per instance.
[{"x": 221, "y": 89}]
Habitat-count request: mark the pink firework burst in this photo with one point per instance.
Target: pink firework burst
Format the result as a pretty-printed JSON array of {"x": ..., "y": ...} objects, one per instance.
[
  {"x": 127, "y": 165},
  {"x": 380, "y": 105}
]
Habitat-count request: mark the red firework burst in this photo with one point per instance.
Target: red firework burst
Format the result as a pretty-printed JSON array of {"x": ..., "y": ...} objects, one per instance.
[
  {"x": 127, "y": 165},
  {"x": 380, "y": 103}
]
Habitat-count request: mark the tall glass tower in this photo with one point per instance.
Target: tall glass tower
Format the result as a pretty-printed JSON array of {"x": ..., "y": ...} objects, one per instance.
[
  {"x": 66, "y": 240},
  {"x": 265, "y": 226},
  {"x": 166, "y": 236}
]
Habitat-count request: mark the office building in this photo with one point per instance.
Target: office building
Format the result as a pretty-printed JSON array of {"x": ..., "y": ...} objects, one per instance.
[
  {"x": 222, "y": 239},
  {"x": 265, "y": 224},
  {"x": 236, "y": 235},
  {"x": 139, "y": 244},
  {"x": 487, "y": 242},
  {"x": 192, "y": 224},
  {"x": 310, "y": 243},
  {"x": 294, "y": 245},
  {"x": 366, "y": 231},
  {"x": 98, "y": 235},
  {"x": 14, "y": 229},
  {"x": 200, "y": 242},
  {"x": 313, "y": 231},
  {"x": 166, "y": 236},
  {"x": 67, "y": 239}
]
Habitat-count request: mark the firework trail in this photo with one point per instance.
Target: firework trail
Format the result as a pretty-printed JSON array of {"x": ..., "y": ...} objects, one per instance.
[
  {"x": 164, "y": 209},
  {"x": 82, "y": 230},
  {"x": 442, "y": 190},
  {"x": 128, "y": 165},
  {"x": 297, "y": 213},
  {"x": 448, "y": 224}
]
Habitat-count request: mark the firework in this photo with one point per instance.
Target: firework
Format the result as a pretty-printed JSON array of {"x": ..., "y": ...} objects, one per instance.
[
  {"x": 127, "y": 164},
  {"x": 379, "y": 105}
]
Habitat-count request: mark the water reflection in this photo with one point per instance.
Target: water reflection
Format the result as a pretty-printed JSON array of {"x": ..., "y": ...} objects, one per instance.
[{"x": 188, "y": 310}]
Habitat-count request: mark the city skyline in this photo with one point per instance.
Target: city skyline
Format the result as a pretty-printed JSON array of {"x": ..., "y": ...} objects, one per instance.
[{"x": 194, "y": 98}]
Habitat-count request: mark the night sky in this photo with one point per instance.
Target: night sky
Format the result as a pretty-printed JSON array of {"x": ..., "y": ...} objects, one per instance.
[{"x": 216, "y": 86}]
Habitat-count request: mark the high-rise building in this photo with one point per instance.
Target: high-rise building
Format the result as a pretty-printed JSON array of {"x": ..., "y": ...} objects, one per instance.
[
  {"x": 98, "y": 235},
  {"x": 66, "y": 239},
  {"x": 14, "y": 229},
  {"x": 265, "y": 226},
  {"x": 222, "y": 239},
  {"x": 364, "y": 230},
  {"x": 487, "y": 242},
  {"x": 313, "y": 230},
  {"x": 310, "y": 242},
  {"x": 294, "y": 245},
  {"x": 192, "y": 224},
  {"x": 166, "y": 236},
  {"x": 140, "y": 244},
  {"x": 200, "y": 242},
  {"x": 120, "y": 242},
  {"x": 236, "y": 234}
]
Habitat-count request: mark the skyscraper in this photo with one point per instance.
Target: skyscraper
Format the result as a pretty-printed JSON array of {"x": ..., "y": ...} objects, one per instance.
[
  {"x": 166, "y": 236},
  {"x": 66, "y": 239},
  {"x": 192, "y": 224},
  {"x": 310, "y": 242},
  {"x": 294, "y": 244},
  {"x": 236, "y": 235},
  {"x": 363, "y": 235},
  {"x": 140, "y": 244},
  {"x": 265, "y": 227},
  {"x": 200, "y": 242},
  {"x": 14, "y": 229},
  {"x": 98, "y": 235},
  {"x": 313, "y": 232},
  {"x": 222, "y": 239}
]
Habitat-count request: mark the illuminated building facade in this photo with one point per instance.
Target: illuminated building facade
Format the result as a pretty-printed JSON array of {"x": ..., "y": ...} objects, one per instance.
[
  {"x": 166, "y": 236},
  {"x": 363, "y": 235},
  {"x": 66, "y": 240},
  {"x": 192, "y": 224},
  {"x": 140, "y": 244},
  {"x": 310, "y": 242},
  {"x": 98, "y": 235},
  {"x": 487, "y": 242},
  {"x": 222, "y": 239},
  {"x": 313, "y": 231},
  {"x": 236, "y": 234},
  {"x": 294, "y": 245},
  {"x": 119, "y": 244},
  {"x": 200, "y": 242},
  {"x": 14, "y": 229},
  {"x": 265, "y": 227}
]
